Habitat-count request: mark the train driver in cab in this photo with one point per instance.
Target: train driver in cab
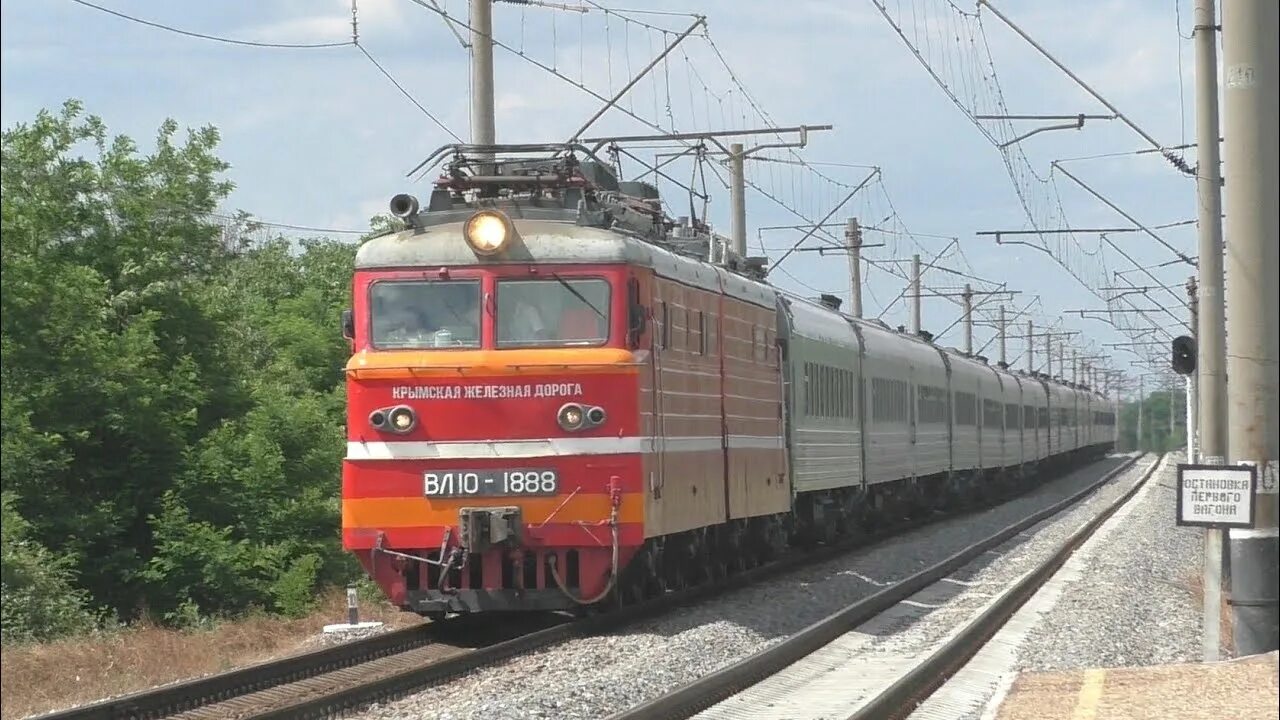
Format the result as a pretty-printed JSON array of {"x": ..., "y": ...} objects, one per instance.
[
  {"x": 426, "y": 314},
  {"x": 552, "y": 312}
]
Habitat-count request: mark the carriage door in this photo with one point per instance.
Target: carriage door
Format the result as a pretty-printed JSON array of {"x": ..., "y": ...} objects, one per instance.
[
  {"x": 979, "y": 421},
  {"x": 658, "y": 344},
  {"x": 909, "y": 397}
]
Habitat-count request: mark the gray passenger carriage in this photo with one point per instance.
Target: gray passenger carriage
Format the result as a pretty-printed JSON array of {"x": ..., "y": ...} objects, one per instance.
[{"x": 823, "y": 373}]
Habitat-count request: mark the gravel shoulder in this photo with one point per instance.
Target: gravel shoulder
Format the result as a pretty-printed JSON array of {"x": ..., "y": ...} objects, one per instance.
[
  {"x": 593, "y": 677},
  {"x": 1127, "y": 597}
]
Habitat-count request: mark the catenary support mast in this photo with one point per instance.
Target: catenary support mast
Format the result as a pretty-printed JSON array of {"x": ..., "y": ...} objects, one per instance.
[{"x": 1251, "y": 114}]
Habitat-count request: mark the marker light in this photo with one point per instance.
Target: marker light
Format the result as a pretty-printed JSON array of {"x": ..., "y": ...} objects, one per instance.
[
  {"x": 401, "y": 419},
  {"x": 487, "y": 232},
  {"x": 570, "y": 416}
]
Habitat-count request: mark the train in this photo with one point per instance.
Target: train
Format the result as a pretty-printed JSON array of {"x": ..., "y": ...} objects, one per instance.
[{"x": 561, "y": 398}]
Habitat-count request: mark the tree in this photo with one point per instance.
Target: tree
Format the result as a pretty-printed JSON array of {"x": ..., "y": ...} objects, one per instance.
[
  {"x": 102, "y": 334},
  {"x": 1156, "y": 410},
  {"x": 173, "y": 403}
]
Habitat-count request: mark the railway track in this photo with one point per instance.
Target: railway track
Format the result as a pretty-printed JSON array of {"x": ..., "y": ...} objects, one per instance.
[
  {"x": 905, "y": 691},
  {"x": 327, "y": 682},
  {"x": 457, "y": 634}
]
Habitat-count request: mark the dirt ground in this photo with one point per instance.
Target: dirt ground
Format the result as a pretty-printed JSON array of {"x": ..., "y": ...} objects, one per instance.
[{"x": 41, "y": 678}]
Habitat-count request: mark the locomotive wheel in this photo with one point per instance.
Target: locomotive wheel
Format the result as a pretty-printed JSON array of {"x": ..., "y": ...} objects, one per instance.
[
  {"x": 632, "y": 592},
  {"x": 738, "y": 549},
  {"x": 676, "y": 577},
  {"x": 655, "y": 579},
  {"x": 775, "y": 539},
  {"x": 712, "y": 556}
]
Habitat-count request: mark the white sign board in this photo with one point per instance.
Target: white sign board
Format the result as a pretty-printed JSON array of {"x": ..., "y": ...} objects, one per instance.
[{"x": 1217, "y": 496}]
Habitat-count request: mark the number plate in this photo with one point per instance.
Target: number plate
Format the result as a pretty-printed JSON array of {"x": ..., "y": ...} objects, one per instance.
[{"x": 530, "y": 482}]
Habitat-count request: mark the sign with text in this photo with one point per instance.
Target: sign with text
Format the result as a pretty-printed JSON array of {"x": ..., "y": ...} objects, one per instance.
[{"x": 1216, "y": 496}]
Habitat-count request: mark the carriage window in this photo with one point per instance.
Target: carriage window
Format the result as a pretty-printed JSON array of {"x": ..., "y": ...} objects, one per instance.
[
  {"x": 553, "y": 312},
  {"x": 666, "y": 326},
  {"x": 992, "y": 414},
  {"x": 932, "y": 402},
  {"x": 425, "y": 314},
  {"x": 966, "y": 408},
  {"x": 889, "y": 400}
]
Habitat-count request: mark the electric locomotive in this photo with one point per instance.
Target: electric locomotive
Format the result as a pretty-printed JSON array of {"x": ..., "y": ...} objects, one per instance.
[{"x": 537, "y": 388}]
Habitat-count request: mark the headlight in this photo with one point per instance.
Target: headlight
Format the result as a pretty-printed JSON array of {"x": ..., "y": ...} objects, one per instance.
[
  {"x": 401, "y": 419},
  {"x": 487, "y": 232},
  {"x": 573, "y": 416},
  {"x": 570, "y": 417}
]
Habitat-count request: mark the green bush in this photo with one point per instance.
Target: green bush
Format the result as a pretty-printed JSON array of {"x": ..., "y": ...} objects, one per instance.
[{"x": 38, "y": 598}]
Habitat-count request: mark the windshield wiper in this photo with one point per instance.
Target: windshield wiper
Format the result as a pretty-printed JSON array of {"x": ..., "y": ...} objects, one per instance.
[{"x": 578, "y": 295}]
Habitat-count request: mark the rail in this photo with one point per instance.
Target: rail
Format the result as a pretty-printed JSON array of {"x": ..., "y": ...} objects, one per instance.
[{"x": 696, "y": 696}]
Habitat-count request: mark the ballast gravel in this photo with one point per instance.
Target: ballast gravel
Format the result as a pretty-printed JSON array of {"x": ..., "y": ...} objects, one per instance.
[
  {"x": 596, "y": 676},
  {"x": 1136, "y": 603}
]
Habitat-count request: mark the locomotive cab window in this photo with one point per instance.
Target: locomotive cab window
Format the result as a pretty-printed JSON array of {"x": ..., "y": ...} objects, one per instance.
[
  {"x": 554, "y": 312},
  {"x": 425, "y": 314}
]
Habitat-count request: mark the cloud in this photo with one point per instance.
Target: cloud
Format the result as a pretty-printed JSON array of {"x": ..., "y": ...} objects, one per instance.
[{"x": 333, "y": 25}]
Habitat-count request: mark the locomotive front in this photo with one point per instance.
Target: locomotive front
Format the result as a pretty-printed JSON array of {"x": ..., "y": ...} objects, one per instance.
[{"x": 493, "y": 455}]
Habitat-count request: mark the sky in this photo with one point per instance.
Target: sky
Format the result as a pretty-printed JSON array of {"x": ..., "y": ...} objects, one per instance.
[{"x": 320, "y": 137}]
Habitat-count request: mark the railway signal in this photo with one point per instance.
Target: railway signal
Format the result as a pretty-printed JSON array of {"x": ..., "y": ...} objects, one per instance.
[{"x": 1184, "y": 355}]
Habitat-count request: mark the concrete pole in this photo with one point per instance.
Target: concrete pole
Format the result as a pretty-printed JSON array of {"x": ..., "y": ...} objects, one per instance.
[
  {"x": 1031, "y": 348},
  {"x": 1062, "y": 359},
  {"x": 1191, "y": 417},
  {"x": 853, "y": 237},
  {"x": 482, "y": 120},
  {"x": 968, "y": 319},
  {"x": 1048, "y": 355},
  {"x": 1141, "y": 392},
  {"x": 1209, "y": 327},
  {"x": 1192, "y": 389},
  {"x": 1251, "y": 112},
  {"x": 915, "y": 294},
  {"x": 1004, "y": 332},
  {"x": 738, "y": 198},
  {"x": 1115, "y": 426}
]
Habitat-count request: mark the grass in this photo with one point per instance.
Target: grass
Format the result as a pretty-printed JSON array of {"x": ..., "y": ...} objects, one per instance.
[{"x": 40, "y": 678}]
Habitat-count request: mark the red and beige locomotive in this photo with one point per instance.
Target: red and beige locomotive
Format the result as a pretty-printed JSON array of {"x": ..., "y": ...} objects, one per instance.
[{"x": 556, "y": 397}]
